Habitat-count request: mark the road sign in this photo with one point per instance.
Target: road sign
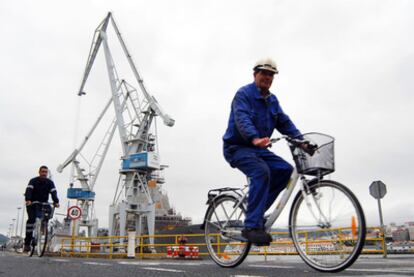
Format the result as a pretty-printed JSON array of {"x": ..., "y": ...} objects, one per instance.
[
  {"x": 74, "y": 212},
  {"x": 377, "y": 189}
]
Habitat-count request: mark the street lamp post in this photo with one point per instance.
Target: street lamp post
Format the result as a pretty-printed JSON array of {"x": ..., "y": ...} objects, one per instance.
[
  {"x": 12, "y": 227},
  {"x": 17, "y": 221},
  {"x": 10, "y": 230},
  {"x": 22, "y": 224}
]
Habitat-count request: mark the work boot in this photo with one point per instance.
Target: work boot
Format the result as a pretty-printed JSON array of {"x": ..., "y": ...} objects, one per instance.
[{"x": 257, "y": 236}]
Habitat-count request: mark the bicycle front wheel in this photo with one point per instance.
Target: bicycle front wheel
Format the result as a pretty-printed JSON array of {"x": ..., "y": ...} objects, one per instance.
[
  {"x": 42, "y": 238},
  {"x": 327, "y": 226},
  {"x": 223, "y": 224}
]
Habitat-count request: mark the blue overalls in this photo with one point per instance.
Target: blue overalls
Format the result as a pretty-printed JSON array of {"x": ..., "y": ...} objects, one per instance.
[{"x": 253, "y": 116}]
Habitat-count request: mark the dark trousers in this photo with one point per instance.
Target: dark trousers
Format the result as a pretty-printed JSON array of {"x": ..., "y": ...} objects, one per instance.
[
  {"x": 32, "y": 211},
  {"x": 268, "y": 174}
]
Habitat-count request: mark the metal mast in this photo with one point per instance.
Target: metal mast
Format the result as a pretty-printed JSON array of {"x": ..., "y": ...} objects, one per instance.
[{"x": 134, "y": 114}]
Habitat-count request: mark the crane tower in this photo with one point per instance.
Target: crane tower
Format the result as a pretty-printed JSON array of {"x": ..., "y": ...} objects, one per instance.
[{"x": 135, "y": 113}]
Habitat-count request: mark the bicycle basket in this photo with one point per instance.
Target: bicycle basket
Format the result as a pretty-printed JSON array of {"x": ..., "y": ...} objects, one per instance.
[{"x": 322, "y": 162}]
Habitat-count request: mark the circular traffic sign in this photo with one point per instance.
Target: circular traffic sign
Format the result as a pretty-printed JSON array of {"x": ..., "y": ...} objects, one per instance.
[
  {"x": 74, "y": 212},
  {"x": 377, "y": 189}
]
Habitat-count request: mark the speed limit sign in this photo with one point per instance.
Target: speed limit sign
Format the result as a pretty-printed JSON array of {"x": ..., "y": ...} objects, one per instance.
[{"x": 74, "y": 212}]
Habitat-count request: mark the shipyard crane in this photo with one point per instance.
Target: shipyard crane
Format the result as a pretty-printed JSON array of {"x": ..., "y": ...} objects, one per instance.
[{"x": 135, "y": 112}]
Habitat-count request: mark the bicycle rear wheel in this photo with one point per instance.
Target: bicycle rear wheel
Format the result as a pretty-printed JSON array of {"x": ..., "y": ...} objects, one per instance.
[
  {"x": 223, "y": 224},
  {"x": 327, "y": 226},
  {"x": 42, "y": 238}
]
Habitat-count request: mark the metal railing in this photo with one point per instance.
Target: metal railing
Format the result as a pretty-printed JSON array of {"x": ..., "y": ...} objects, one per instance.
[{"x": 116, "y": 246}]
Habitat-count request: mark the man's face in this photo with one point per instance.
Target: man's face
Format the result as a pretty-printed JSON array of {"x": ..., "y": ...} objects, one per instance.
[
  {"x": 43, "y": 172},
  {"x": 264, "y": 79}
]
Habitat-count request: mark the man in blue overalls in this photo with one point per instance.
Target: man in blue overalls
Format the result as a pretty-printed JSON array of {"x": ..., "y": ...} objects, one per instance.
[{"x": 255, "y": 113}]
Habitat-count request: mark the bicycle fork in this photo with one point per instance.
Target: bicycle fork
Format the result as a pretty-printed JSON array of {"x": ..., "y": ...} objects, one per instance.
[{"x": 310, "y": 198}]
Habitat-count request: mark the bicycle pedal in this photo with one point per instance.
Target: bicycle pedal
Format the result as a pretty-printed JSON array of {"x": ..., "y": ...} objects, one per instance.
[{"x": 262, "y": 244}]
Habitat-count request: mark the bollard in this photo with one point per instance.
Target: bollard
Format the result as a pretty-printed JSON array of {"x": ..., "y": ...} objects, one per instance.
[
  {"x": 175, "y": 251},
  {"x": 187, "y": 252},
  {"x": 181, "y": 251},
  {"x": 195, "y": 252},
  {"x": 169, "y": 252},
  {"x": 131, "y": 245}
]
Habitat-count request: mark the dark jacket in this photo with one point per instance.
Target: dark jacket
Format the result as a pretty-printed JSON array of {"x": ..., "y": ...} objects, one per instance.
[
  {"x": 39, "y": 188},
  {"x": 253, "y": 116}
]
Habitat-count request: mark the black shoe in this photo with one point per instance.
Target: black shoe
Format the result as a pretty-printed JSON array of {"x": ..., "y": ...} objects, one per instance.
[
  {"x": 26, "y": 248},
  {"x": 257, "y": 236}
]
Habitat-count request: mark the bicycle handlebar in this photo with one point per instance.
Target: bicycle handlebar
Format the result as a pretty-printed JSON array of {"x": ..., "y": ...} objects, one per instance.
[
  {"x": 43, "y": 203},
  {"x": 301, "y": 143}
]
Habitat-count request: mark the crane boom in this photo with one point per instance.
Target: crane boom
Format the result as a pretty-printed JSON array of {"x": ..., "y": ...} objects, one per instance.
[
  {"x": 152, "y": 102},
  {"x": 96, "y": 43}
]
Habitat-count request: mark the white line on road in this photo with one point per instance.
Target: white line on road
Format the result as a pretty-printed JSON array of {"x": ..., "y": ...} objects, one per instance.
[
  {"x": 366, "y": 261},
  {"x": 163, "y": 269},
  {"x": 247, "y": 276},
  {"x": 392, "y": 270},
  {"x": 60, "y": 260},
  {"x": 138, "y": 263},
  {"x": 376, "y": 275},
  {"x": 97, "y": 263},
  {"x": 185, "y": 263},
  {"x": 271, "y": 266},
  {"x": 179, "y": 263}
]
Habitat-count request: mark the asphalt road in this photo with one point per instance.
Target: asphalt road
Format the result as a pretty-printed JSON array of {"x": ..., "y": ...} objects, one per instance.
[{"x": 17, "y": 265}]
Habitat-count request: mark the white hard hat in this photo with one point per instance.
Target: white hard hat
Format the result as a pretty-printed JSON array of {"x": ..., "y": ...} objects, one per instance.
[{"x": 266, "y": 64}]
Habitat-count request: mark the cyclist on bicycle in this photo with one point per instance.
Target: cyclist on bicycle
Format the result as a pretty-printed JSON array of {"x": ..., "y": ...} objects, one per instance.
[
  {"x": 255, "y": 113},
  {"x": 37, "y": 192}
]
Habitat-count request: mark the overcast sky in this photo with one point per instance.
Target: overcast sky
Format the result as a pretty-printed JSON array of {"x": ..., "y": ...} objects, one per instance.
[{"x": 345, "y": 69}]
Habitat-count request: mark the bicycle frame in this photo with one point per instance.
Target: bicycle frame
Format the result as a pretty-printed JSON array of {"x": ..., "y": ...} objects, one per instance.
[
  {"x": 279, "y": 207},
  {"x": 285, "y": 198},
  {"x": 42, "y": 218}
]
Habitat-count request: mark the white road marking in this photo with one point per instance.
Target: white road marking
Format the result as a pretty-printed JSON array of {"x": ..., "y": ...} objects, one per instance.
[
  {"x": 97, "y": 263},
  {"x": 247, "y": 276},
  {"x": 366, "y": 261},
  {"x": 138, "y": 263},
  {"x": 179, "y": 263},
  {"x": 163, "y": 269},
  {"x": 392, "y": 270},
  {"x": 271, "y": 266},
  {"x": 386, "y": 275},
  {"x": 184, "y": 263},
  {"x": 60, "y": 260}
]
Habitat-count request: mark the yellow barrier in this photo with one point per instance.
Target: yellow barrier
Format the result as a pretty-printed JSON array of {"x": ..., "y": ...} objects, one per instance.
[{"x": 110, "y": 247}]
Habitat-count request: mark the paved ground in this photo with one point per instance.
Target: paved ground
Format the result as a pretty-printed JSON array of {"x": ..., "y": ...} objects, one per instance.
[{"x": 15, "y": 265}]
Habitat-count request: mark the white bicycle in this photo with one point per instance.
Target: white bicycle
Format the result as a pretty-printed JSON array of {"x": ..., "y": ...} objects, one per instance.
[
  {"x": 39, "y": 240},
  {"x": 326, "y": 221}
]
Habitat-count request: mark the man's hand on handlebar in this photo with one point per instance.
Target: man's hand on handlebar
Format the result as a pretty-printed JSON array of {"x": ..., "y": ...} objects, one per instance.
[
  {"x": 261, "y": 142},
  {"x": 308, "y": 147},
  {"x": 56, "y": 205},
  {"x": 28, "y": 203}
]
